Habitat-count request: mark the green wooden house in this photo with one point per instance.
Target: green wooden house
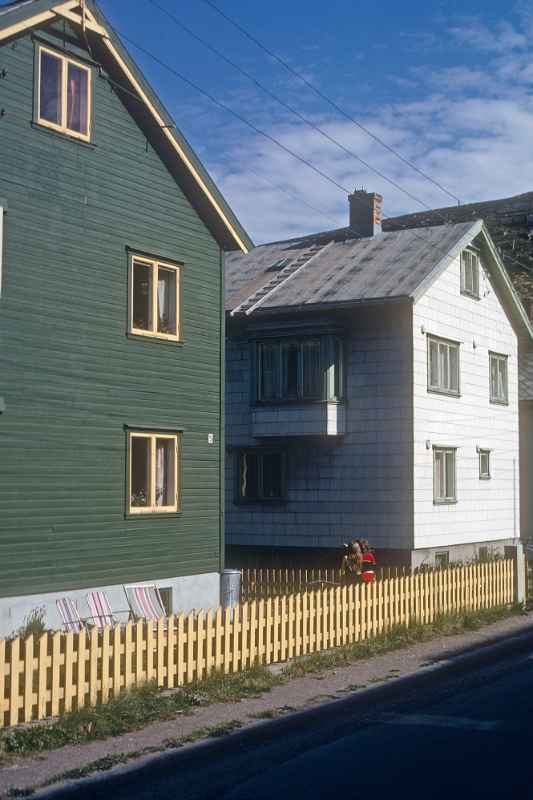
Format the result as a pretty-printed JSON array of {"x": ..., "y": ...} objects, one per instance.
[{"x": 112, "y": 242}]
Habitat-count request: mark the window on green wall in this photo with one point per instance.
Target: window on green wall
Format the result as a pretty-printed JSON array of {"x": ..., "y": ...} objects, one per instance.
[
  {"x": 153, "y": 472},
  {"x": 300, "y": 369},
  {"x": 64, "y": 94},
  {"x": 154, "y": 298}
]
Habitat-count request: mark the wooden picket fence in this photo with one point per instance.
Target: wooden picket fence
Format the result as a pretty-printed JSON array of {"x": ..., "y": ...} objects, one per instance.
[
  {"x": 257, "y": 584},
  {"x": 61, "y": 672}
]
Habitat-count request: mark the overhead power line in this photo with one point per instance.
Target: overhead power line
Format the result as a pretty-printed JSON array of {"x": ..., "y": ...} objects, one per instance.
[
  {"x": 286, "y": 105},
  {"x": 328, "y": 100},
  {"x": 279, "y": 144}
]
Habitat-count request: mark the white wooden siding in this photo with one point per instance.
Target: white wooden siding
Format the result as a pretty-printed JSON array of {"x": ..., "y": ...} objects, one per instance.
[
  {"x": 358, "y": 485},
  {"x": 486, "y": 510}
]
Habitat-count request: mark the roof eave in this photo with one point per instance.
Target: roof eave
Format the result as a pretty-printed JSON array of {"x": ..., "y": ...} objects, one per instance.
[
  {"x": 224, "y": 225},
  {"x": 336, "y": 305}
]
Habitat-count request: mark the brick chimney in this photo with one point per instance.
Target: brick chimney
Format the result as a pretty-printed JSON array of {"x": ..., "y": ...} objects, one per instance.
[{"x": 365, "y": 212}]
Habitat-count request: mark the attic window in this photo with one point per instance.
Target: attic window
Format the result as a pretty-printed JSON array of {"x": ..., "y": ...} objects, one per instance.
[
  {"x": 470, "y": 274},
  {"x": 64, "y": 94}
]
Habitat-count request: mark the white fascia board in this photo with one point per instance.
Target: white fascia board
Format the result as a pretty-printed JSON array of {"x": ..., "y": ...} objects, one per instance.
[{"x": 446, "y": 260}]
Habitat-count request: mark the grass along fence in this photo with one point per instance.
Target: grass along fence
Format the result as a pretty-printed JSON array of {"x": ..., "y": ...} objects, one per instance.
[
  {"x": 262, "y": 583},
  {"x": 61, "y": 672}
]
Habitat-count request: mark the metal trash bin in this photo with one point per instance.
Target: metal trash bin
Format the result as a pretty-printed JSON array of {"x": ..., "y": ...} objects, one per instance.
[{"x": 230, "y": 588}]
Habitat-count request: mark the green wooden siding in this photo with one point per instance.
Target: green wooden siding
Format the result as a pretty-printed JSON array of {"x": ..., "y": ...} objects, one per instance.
[{"x": 71, "y": 377}]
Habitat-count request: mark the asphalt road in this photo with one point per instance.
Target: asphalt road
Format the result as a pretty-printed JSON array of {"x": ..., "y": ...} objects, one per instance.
[{"x": 469, "y": 736}]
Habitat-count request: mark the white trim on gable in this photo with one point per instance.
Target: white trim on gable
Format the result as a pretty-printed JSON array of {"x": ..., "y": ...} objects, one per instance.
[
  {"x": 479, "y": 229},
  {"x": 87, "y": 19},
  {"x": 445, "y": 262}
]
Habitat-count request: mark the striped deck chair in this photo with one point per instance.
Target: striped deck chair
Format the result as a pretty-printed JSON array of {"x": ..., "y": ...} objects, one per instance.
[
  {"x": 101, "y": 614},
  {"x": 70, "y": 616},
  {"x": 145, "y": 602}
]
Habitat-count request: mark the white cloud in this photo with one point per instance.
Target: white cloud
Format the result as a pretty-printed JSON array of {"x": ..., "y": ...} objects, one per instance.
[{"x": 470, "y": 127}]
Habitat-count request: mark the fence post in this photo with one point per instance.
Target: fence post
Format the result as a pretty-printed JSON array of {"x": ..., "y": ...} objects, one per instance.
[{"x": 516, "y": 552}]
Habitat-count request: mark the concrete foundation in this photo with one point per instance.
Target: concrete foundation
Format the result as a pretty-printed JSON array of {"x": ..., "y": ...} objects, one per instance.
[
  {"x": 464, "y": 553},
  {"x": 184, "y": 594}
]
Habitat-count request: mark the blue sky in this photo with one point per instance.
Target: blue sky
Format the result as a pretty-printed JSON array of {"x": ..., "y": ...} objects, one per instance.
[{"x": 449, "y": 84}]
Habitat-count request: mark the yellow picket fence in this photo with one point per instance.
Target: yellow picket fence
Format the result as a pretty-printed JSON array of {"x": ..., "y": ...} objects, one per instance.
[
  {"x": 257, "y": 583},
  {"x": 61, "y": 672}
]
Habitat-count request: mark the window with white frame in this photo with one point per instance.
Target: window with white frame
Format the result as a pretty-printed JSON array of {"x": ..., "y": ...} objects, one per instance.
[
  {"x": 154, "y": 298},
  {"x": 499, "y": 390},
  {"x": 153, "y": 472},
  {"x": 444, "y": 475},
  {"x": 470, "y": 273},
  {"x": 443, "y": 365},
  {"x": 64, "y": 94},
  {"x": 484, "y": 464}
]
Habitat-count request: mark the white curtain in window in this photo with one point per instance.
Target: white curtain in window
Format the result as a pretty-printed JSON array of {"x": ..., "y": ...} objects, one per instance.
[
  {"x": 160, "y": 493},
  {"x": 162, "y": 298}
]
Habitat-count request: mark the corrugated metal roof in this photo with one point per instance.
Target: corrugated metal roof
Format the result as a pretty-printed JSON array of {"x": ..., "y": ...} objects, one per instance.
[{"x": 388, "y": 265}]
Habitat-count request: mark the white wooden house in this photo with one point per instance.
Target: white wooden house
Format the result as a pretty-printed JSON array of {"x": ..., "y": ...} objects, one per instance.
[{"x": 372, "y": 390}]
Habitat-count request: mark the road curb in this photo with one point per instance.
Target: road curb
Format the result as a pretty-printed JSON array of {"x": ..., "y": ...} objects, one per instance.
[{"x": 254, "y": 733}]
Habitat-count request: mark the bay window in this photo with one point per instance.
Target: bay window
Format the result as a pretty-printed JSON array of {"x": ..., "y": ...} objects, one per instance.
[{"x": 299, "y": 369}]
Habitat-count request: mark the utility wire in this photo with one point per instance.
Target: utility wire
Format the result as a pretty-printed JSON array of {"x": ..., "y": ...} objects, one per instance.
[
  {"x": 290, "y": 194},
  {"x": 286, "y": 106},
  {"x": 272, "y": 139},
  {"x": 267, "y": 136},
  {"x": 328, "y": 100}
]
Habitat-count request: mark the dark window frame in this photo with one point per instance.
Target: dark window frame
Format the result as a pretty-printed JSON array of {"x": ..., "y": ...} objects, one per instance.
[
  {"x": 331, "y": 383},
  {"x": 260, "y": 453}
]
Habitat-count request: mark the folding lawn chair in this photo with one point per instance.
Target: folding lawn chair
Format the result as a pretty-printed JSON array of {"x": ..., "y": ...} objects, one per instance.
[
  {"x": 145, "y": 602},
  {"x": 101, "y": 614},
  {"x": 70, "y": 616}
]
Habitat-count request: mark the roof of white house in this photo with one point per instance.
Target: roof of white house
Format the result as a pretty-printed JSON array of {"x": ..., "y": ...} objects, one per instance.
[
  {"x": 323, "y": 272},
  {"x": 309, "y": 272}
]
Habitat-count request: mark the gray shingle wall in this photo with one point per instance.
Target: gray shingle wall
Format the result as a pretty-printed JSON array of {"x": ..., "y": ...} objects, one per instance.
[{"x": 337, "y": 488}]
